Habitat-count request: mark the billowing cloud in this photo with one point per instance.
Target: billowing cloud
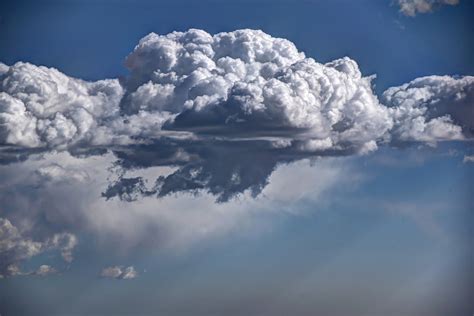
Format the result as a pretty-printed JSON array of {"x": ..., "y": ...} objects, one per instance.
[
  {"x": 42, "y": 107},
  {"x": 119, "y": 272},
  {"x": 248, "y": 84},
  {"x": 16, "y": 248},
  {"x": 233, "y": 86},
  {"x": 413, "y": 7},
  {"x": 213, "y": 115},
  {"x": 432, "y": 108},
  {"x": 225, "y": 109}
]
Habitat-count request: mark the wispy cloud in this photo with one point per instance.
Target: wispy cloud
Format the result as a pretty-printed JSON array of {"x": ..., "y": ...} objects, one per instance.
[
  {"x": 414, "y": 7},
  {"x": 468, "y": 158}
]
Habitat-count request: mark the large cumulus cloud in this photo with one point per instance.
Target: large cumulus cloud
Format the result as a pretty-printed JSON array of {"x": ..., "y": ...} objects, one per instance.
[
  {"x": 224, "y": 109},
  {"x": 218, "y": 116},
  {"x": 249, "y": 84},
  {"x": 242, "y": 84}
]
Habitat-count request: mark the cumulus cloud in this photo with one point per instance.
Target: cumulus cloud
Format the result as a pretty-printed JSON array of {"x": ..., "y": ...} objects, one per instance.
[
  {"x": 42, "y": 107},
  {"x": 432, "y": 108},
  {"x": 237, "y": 114},
  {"x": 45, "y": 270},
  {"x": 413, "y": 7},
  {"x": 193, "y": 100},
  {"x": 16, "y": 248},
  {"x": 247, "y": 84},
  {"x": 237, "y": 85},
  {"x": 119, "y": 272}
]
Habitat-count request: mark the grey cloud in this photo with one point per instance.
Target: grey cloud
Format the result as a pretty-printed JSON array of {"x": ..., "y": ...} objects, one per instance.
[
  {"x": 221, "y": 168},
  {"x": 40, "y": 209},
  {"x": 413, "y": 7},
  {"x": 127, "y": 189},
  {"x": 119, "y": 272},
  {"x": 57, "y": 173}
]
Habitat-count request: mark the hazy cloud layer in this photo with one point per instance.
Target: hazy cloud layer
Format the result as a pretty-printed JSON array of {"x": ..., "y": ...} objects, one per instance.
[
  {"x": 413, "y": 7},
  {"x": 170, "y": 223}
]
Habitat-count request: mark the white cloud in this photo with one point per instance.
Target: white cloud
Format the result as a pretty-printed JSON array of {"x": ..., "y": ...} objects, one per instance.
[
  {"x": 468, "y": 158},
  {"x": 119, "y": 272},
  {"x": 249, "y": 84},
  {"x": 237, "y": 85},
  {"x": 16, "y": 248},
  {"x": 432, "y": 108},
  {"x": 45, "y": 270},
  {"x": 41, "y": 106},
  {"x": 413, "y": 7}
]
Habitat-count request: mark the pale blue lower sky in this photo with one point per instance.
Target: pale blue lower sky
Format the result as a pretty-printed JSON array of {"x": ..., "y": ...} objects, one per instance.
[{"x": 357, "y": 257}]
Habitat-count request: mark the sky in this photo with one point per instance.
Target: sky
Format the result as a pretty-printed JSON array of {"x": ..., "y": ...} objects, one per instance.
[{"x": 236, "y": 157}]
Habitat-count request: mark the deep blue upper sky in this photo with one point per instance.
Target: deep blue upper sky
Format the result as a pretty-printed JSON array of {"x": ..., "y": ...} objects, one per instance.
[{"x": 90, "y": 39}]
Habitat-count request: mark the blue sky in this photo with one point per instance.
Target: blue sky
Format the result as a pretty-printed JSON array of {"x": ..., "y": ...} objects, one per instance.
[
  {"x": 90, "y": 39},
  {"x": 343, "y": 229}
]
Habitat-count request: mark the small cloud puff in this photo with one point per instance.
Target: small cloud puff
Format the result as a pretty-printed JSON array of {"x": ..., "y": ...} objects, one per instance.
[
  {"x": 468, "y": 159},
  {"x": 119, "y": 272},
  {"x": 45, "y": 270},
  {"x": 413, "y": 7}
]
